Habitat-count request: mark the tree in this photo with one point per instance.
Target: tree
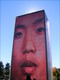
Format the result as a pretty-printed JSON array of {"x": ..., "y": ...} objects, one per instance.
[
  {"x": 1, "y": 69},
  {"x": 7, "y": 69},
  {"x": 56, "y": 74}
]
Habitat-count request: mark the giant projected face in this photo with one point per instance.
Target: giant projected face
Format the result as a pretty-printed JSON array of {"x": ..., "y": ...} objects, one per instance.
[{"x": 29, "y": 54}]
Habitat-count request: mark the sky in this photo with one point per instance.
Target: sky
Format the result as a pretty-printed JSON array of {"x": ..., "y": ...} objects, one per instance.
[{"x": 9, "y": 9}]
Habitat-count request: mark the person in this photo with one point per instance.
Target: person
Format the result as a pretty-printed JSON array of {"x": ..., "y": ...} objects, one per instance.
[{"x": 29, "y": 52}]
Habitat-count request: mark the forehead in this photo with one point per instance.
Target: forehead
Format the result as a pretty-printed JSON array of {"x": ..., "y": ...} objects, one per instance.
[{"x": 28, "y": 19}]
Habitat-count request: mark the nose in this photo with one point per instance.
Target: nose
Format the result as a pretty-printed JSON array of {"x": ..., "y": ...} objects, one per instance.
[{"x": 29, "y": 46}]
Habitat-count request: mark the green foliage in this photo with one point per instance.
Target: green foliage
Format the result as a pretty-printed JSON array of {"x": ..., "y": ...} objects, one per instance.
[
  {"x": 54, "y": 78},
  {"x": 56, "y": 74},
  {"x": 4, "y": 72},
  {"x": 7, "y": 69},
  {"x": 1, "y": 69}
]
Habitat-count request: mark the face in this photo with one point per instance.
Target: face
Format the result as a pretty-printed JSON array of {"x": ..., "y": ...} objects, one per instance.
[{"x": 29, "y": 54}]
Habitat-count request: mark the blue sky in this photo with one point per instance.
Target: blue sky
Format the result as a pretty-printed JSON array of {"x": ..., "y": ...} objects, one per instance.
[{"x": 11, "y": 8}]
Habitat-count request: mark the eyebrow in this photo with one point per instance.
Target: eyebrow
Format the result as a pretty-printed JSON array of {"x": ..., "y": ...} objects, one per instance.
[
  {"x": 38, "y": 21},
  {"x": 20, "y": 26},
  {"x": 24, "y": 27}
]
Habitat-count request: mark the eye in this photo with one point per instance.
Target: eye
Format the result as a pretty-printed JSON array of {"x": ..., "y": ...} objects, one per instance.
[
  {"x": 40, "y": 29},
  {"x": 18, "y": 35}
]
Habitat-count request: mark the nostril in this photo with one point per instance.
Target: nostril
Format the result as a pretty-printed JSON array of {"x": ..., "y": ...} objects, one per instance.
[
  {"x": 31, "y": 51},
  {"x": 28, "y": 51},
  {"x": 24, "y": 51}
]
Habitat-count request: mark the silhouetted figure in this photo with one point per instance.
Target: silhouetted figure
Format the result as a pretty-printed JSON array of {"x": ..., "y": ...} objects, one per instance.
[{"x": 28, "y": 77}]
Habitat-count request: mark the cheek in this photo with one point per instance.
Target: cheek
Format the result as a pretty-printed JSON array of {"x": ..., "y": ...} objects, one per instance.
[
  {"x": 39, "y": 42},
  {"x": 18, "y": 44}
]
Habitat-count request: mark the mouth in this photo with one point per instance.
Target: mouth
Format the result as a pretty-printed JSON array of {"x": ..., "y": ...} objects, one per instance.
[
  {"x": 29, "y": 70},
  {"x": 28, "y": 77},
  {"x": 28, "y": 67}
]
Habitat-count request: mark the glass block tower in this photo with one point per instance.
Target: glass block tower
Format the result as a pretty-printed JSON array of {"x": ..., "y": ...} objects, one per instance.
[{"x": 31, "y": 54}]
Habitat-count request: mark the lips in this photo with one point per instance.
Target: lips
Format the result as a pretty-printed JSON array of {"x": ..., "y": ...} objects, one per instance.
[
  {"x": 28, "y": 67},
  {"x": 29, "y": 70}
]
